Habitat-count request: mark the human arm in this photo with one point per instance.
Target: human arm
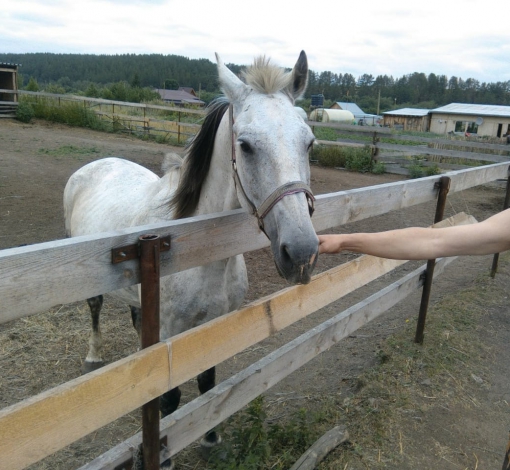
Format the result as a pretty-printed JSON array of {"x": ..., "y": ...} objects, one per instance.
[{"x": 489, "y": 236}]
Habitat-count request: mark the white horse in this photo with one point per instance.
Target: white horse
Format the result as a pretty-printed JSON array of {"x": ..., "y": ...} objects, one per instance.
[{"x": 251, "y": 152}]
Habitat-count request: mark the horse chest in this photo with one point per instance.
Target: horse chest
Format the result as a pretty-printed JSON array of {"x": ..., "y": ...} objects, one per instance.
[{"x": 198, "y": 295}]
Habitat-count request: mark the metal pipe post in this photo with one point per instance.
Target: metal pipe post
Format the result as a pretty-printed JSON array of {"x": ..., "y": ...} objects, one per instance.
[
  {"x": 149, "y": 274},
  {"x": 506, "y": 204},
  {"x": 444, "y": 187}
]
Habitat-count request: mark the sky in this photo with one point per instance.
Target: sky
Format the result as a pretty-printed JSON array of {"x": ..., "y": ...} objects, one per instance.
[{"x": 468, "y": 39}]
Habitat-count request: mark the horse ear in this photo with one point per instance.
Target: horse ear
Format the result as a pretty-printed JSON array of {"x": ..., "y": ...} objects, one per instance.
[
  {"x": 230, "y": 84},
  {"x": 299, "y": 80}
]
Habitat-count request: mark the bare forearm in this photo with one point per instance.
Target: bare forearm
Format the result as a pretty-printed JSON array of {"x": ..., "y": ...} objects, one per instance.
[{"x": 490, "y": 236}]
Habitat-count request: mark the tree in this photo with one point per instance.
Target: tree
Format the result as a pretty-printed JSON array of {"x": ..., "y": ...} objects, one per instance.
[
  {"x": 32, "y": 85},
  {"x": 171, "y": 84}
]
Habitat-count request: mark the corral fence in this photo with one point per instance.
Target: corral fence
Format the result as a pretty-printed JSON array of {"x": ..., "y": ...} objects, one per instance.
[
  {"x": 37, "y": 277},
  {"x": 138, "y": 118},
  {"x": 398, "y": 151}
]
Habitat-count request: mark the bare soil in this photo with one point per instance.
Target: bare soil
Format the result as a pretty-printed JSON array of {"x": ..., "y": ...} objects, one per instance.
[{"x": 42, "y": 351}]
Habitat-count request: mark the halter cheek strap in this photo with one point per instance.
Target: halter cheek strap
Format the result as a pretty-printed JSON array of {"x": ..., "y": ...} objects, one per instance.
[{"x": 277, "y": 195}]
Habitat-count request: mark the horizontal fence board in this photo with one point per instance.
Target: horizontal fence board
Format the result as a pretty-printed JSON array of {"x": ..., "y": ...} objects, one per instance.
[
  {"x": 418, "y": 149},
  {"x": 74, "y": 269},
  {"x": 86, "y": 99},
  {"x": 169, "y": 364},
  {"x": 191, "y": 421},
  {"x": 47, "y": 422}
]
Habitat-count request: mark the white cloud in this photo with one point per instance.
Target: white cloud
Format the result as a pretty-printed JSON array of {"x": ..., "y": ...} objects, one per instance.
[{"x": 465, "y": 39}]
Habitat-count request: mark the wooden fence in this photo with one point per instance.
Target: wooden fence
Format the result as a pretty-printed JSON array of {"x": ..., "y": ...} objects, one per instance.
[
  {"x": 68, "y": 270},
  {"x": 138, "y": 118},
  {"x": 438, "y": 150}
]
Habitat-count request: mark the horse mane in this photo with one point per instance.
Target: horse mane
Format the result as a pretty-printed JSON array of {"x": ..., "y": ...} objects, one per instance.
[
  {"x": 197, "y": 162},
  {"x": 265, "y": 77}
]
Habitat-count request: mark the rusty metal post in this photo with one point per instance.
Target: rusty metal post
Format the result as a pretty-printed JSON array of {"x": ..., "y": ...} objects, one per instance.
[
  {"x": 444, "y": 187},
  {"x": 506, "y": 204},
  {"x": 149, "y": 274}
]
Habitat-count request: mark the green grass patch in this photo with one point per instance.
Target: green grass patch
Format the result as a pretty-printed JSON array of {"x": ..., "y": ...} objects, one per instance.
[{"x": 70, "y": 151}]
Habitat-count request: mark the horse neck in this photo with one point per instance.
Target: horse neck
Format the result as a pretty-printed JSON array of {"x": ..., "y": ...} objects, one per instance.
[{"x": 218, "y": 192}]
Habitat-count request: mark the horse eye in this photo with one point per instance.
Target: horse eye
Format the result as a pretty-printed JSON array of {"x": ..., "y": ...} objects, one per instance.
[
  {"x": 245, "y": 147},
  {"x": 310, "y": 145}
]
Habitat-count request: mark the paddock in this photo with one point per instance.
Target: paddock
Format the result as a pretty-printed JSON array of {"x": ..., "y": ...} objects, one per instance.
[{"x": 330, "y": 211}]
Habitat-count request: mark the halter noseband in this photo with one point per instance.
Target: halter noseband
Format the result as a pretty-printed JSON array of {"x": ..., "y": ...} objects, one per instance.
[{"x": 277, "y": 195}]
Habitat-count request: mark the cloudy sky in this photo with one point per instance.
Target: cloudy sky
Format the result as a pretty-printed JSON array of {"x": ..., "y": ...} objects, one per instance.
[{"x": 467, "y": 39}]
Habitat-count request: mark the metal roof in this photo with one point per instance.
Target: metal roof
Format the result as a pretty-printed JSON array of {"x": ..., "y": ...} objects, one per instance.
[
  {"x": 474, "y": 109},
  {"x": 352, "y": 107},
  {"x": 419, "y": 112},
  {"x": 8, "y": 65}
]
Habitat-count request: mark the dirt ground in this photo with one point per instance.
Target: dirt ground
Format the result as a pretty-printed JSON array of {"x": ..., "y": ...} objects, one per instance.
[{"x": 42, "y": 351}]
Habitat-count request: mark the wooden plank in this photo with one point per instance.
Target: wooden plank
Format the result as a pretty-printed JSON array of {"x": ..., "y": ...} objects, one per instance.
[
  {"x": 191, "y": 421},
  {"x": 343, "y": 207},
  {"x": 169, "y": 364},
  {"x": 69, "y": 270},
  {"x": 419, "y": 149},
  {"x": 43, "y": 424},
  {"x": 112, "y": 102},
  {"x": 31, "y": 423}
]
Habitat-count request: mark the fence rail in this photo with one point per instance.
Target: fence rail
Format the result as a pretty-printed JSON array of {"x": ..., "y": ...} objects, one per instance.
[
  {"x": 73, "y": 269},
  {"x": 69, "y": 270},
  {"x": 145, "y": 122}
]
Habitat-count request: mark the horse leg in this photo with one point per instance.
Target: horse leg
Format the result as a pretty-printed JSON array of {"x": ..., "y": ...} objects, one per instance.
[
  {"x": 206, "y": 381},
  {"x": 136, "y": 318},
  {"x": 94, "y": 358}
]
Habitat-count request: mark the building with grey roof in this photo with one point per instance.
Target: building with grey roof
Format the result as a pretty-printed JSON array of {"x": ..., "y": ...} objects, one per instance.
[{"x": 480, "y": 119}]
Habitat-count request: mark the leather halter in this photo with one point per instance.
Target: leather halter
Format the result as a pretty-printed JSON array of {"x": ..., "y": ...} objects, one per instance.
[{"x": 277, "y": 195}]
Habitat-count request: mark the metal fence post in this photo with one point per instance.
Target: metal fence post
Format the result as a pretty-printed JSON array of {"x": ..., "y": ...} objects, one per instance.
[
  {"x": 444, "y": 187},
  {"x": 506, "y": 204},
  {"x": 147, "y": 251},
  {"x": 149, "y": 274}
]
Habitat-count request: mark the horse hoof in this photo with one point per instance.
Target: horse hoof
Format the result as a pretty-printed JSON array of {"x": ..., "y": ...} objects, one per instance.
[
  {"x": 91, "y": 366},
  {"x": 168, "y": 464},
  {"x": 208, "y": 443}
]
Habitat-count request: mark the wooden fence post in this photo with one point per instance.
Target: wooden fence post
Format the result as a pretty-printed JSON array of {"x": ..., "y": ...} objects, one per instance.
[
  {"x": 506, "y": 204},
  {"x": 444, "y": 187}
]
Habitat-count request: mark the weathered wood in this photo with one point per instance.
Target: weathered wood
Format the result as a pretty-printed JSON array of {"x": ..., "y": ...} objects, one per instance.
[
  {"x": 69, "y": 270},
  {"x": 169, "y": 364},
  {"x": 47, "y": 422},
  {"x": 419, "y": 149},
  {"x": 112, "y": 102},
  {"x": 219, "y": 340},
  {"x": 322, "y": 447},
  {"x": 191, "y": 421},
  {"x": 343, "y": 207}
]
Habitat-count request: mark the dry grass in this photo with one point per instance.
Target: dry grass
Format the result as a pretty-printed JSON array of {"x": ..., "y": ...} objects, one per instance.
[{"x": 412, "y": 383}]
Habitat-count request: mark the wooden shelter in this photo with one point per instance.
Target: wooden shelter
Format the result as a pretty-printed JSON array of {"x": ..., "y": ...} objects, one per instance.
[
  {"x": 407, "y": 119},
  {"x": 8, "y": 89}
]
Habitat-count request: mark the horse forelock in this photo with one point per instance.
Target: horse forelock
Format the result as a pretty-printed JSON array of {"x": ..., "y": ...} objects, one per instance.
[
  {"x": 265, "y": 77},
  {"x": 197, "y": 162}
]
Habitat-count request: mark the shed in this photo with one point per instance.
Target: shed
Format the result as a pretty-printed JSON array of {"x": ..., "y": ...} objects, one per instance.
[
  {"x": 360, "y": 116},
  {"x": 478, "y": 119},
  {"x": 179, "y": 97},
  {"x": 407, "y": 119},
  {"x": 8, "y": 89},
  {"x": 332, "y": 115}
]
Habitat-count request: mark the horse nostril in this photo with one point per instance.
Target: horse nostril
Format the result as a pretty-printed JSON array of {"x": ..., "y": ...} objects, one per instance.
[{"x": 286, "y": 256}]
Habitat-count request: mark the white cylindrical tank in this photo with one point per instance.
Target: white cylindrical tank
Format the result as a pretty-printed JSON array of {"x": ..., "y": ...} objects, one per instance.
[
  {"x": 332, "y": 115},
  {"x": 301, "y": 112}
]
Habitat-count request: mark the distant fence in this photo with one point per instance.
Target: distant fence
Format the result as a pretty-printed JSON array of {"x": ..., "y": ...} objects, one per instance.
[
  {"x": 141, "y": 118},
  {"x": 37, "y": 277},
  {"x": 437, "y": 149}
]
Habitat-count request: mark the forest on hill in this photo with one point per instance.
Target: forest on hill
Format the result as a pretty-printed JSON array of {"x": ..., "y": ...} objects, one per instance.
[{"x": 98, "y": 75}]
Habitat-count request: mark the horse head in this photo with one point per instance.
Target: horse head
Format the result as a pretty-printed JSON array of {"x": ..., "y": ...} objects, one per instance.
[{"x": 270, "y": 145}]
